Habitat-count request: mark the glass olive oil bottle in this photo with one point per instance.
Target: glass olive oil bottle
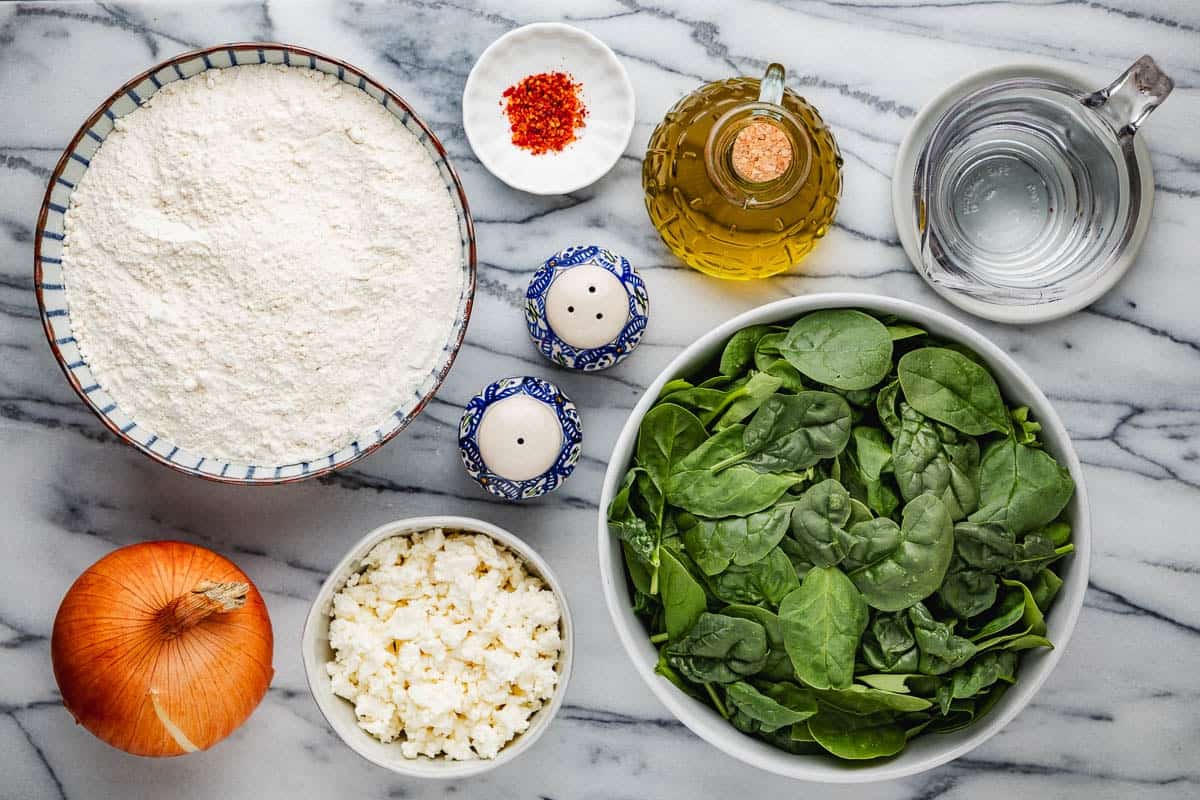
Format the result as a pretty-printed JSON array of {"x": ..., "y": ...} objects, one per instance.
[{"x": 742, "y": 177}]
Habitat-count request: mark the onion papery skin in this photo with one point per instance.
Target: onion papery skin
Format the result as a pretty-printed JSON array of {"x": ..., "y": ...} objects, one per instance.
[{"x": 138, "y": 653}]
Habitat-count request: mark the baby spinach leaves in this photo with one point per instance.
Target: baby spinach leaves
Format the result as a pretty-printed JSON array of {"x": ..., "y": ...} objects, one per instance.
[
  {"x": 880, "y": 532},
  {"x": 793, "y": 432},
  {"x": 842, "y": 348},
  {"x": 718, "y": 649},
  {"x": 683, "y": 596},
  {"x": 695, "y": 486},
  {"x": 947, "y": 386},
  {"x": 914, "y": 566},
  {"x": 1021, "y": 487},
  {"x": 715, "y": 543},
  {"x": 822, "y": 622},
  {"x": 781, "y": 705}
]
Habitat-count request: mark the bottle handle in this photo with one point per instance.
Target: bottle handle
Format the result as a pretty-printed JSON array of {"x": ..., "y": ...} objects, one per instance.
[
  {"x": 770, "y": 88},
  {"x": 1127, "y": 101}
]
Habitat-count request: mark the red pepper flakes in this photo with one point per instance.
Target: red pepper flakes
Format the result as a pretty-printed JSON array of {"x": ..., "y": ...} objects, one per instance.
[{"x": 544, "y": 111}]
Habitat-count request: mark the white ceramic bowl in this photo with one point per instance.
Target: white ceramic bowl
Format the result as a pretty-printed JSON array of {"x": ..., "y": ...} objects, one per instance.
[
  {"x": 607, "y": 94},
  {"x": 924, "y": 752},
  {"x": 339, "y": 713}
]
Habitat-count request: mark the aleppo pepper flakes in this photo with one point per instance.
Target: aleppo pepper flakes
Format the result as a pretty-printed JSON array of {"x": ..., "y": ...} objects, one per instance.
[{"x": 544, "y": 111}]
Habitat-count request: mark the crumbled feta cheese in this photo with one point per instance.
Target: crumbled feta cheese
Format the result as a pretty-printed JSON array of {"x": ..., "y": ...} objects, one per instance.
[{"x": 445, "y": 642}]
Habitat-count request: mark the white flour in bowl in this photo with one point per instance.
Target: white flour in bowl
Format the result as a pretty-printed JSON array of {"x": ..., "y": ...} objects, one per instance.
[{"x": 262, "y": 265}]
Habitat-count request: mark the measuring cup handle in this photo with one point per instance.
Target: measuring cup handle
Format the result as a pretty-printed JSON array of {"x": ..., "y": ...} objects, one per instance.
[
  {"x": 770, "y": 88},
  {"x": 1127, "y": 101}
]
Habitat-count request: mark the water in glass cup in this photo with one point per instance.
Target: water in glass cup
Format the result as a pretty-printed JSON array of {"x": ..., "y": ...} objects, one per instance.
[{"x": 1028, "y": 187}]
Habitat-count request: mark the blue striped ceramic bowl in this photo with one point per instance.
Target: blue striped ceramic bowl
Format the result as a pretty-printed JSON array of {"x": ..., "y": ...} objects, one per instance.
[{"x": 50, "y": 287}]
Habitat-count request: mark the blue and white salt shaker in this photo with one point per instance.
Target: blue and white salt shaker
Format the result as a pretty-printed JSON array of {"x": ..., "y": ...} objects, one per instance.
[
  {"x": 586, "y": 308},
  {"x": 520, "y": 437}
]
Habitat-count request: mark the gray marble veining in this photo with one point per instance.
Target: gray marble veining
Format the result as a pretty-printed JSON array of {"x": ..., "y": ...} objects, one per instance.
[{"x": 1117, "y": 719}]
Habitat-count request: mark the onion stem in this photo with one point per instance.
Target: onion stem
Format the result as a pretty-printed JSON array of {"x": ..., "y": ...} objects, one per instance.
[{"x": 205, "y": 599}]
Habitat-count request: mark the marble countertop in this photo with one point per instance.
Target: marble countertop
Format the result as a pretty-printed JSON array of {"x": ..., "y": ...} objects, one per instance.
[{"x": 1120, "y": 717}]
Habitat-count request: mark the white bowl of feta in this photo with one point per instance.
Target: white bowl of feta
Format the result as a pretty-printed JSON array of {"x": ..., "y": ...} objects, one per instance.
[{"x": 440, "y": 647}]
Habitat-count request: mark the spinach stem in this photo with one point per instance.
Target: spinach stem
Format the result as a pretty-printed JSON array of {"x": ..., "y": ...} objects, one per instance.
[
  {"x": 654, "y": 581},
  {"x": 659, "y": 637},
  {"x": 716, "y": 700},
  {"x": 729, "y": 462}
]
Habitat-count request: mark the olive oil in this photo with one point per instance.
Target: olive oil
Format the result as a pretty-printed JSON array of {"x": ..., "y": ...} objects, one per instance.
[{"x": 742, "y": 177}]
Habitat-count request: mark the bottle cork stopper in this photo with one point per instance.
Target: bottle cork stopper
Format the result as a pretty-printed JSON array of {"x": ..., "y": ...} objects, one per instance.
[{"x": 761, "y": 152}]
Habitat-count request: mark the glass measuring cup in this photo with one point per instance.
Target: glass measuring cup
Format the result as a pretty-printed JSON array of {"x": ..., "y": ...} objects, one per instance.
[{"x": 1030, "y": 190}]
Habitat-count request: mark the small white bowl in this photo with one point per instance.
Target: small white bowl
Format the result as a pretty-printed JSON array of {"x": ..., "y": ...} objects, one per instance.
[
  {"x": 607, "y": 94},
  {"x": 924, "y": 752},
  {"x": 339, "y": 713}
]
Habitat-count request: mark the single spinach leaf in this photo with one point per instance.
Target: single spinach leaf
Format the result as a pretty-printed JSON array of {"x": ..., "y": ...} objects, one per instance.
[
  {"x": 668, "y": 672},
  {"x": 968, "y": 592},
  {"x": 674, "y": 385},
  {"x": 789, "y": 377},
  {"x": 817, "y": 520},
  {"x": 977, "y": 676},
  {"x": 778, "y": 666},
  {"x": 1021, "y": 488},
  {"x": 719, "y": 649},
  {"x": 949, "y": 387},
  {"x": 889, "y": 645},
  {"x": 784, "y": 705},
  {"x": 1025, "y": 430},
  {"x": 700, "y": 398},
  {"x": 683, "y": 597},
  {"x": 858, "y": 513},
  {"x": 715, "y": 543},
  {"x": 736, "y": 491},
  {"x": 914, "y": 569},
  {"x": 1032, "y": 616},
  {"x": 630, "y": 528},
  {"x": 1028, "y": 642},
  {"x": 839, "y": 347},
  {"x": 859, "y": 699},
  {"x": 929, "y": 457},
  {"x": 1044, "y": 588},
  {"x": 1058, "y": 532},
  {"x": 984, "y": 546},
  {"x": 873, "y": 458},
  {"x": 639, "y": 570},
  {"x": 871, "y": 541},
  {"x": 793, "y": 432},
  {"x": 667, "y": 434},
  {"x": 902, "y": 330},
  {"x": 738, "y": 354},
  {"x": 941, "y": 649},
  {"x": 1008, "y": 613},
  {"x": 885, "y": 408},
  {"x": 857, "y": 736},
  {"x": 748, "y": 399},
  {"x": 895, "y": 683},
  {"x": 769, "y": 579},
  {"x": 823, "y": 621}
]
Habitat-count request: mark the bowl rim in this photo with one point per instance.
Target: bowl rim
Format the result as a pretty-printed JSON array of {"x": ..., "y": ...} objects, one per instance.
[
  {"x": 563, "y": 30},
  {"x": 693, "y": 714},
  {"x": 423, "y": 767},
  {"x": 455, "y": 344}
]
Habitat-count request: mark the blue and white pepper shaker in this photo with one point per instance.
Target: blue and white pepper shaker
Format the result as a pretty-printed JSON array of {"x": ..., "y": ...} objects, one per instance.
[
  {"x": 520, "y": 437},
  {"x": 586, "y": 308}
]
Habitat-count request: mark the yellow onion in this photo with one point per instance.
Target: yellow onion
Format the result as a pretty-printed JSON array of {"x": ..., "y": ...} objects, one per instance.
[{"x": 162, "y": 648}]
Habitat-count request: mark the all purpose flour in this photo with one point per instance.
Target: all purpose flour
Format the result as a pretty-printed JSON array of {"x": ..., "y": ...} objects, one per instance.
[{"x": 262, "y": 264}]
